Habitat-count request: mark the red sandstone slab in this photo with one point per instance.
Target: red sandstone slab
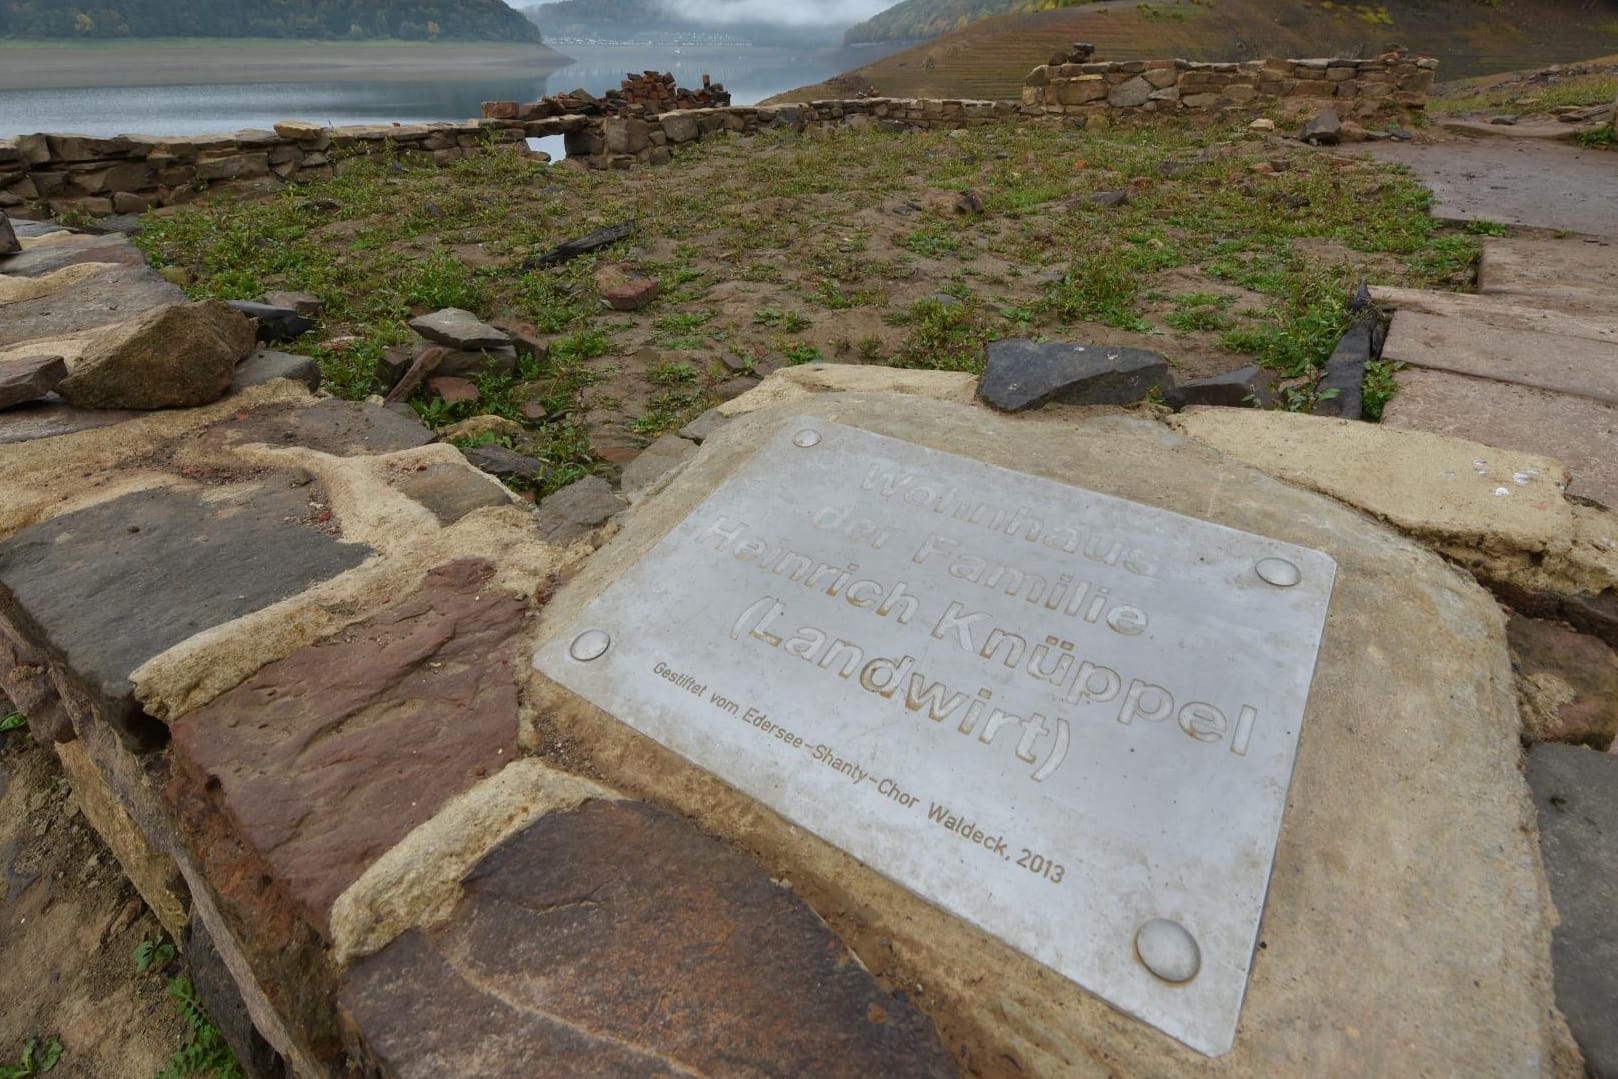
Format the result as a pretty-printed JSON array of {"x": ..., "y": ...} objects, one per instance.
[
  {"x": 617, "y": 940},
  {"x": 324, "y": 760}
]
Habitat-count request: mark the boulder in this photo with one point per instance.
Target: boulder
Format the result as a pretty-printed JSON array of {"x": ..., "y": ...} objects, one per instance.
[
  {"x": 9, "y": 244},
  {"x": 1022, "y": 374},
  {"x": 174, "y": 356},
  {"x": 458, "y": 329},
  {"x": 29, "y": 378},
  {"x": 275, "y": 323}
]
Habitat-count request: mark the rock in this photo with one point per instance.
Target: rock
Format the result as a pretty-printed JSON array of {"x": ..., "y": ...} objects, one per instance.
[
  {"x": 1504, "y": 121},
  {"x": 1132, "y": 94},
  {"x": 275, "y": 323},
  {"x": 591, "y": 241},
  {"x": 9, "y": 244},
  {"x": 1576, "y": 793},
  {"x": 215, "y": 986},
  {"x": 655, "y": 462},
  {"x": 706, "y": 424},
  {"x": 1021, "y": 374},
  {"x": 1341, "y": 391},
  {"x": 25, "y": 684},
  {"x": 578, "y": 509},
  {"x": 78, "y": 297},
  {"x": 491, "y": 361},
  {"x": 1245, "y": 387},
  {"x": 340, "y": 428},
  {"x": 148, "y": 570},
  {"x": 322, "y": 761},
  {"x": 480, "y": 427},
  {"x": 1400, "y": 134},
  {"x": 1567, "y": 684},
  {"x": 421, "y": 369},
  {"x": 632, "y": 295},
  {"x": 175, "y": 356},
  {"x": 451, "y": 491},
  {"x": 458, "y": 329},
  {"x": 29, "y": 378},
  {"x": 264, "y": 366},
  {"x": 452, "y": 390},
  {"x": 1110, "y": 198},
  {"x": 1262, "y": 124},
  {"x": 505, "y": 463},
  {"x": 51, "y": 418},
  {"x": 743, "y": 978},
  {"x": 1326, "y": 129},
  {"x": 304, "y": 303}
]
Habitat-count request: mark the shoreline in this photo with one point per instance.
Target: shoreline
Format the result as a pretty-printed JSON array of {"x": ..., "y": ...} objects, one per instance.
[{"x": 47, "y": 65}]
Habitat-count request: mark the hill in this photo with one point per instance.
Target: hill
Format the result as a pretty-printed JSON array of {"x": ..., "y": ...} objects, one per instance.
[
  {"x": 991, "y": 57},
  {"x": 652, "y": 20},
  {"x": 915, "y": 20},
  {"x": 410, "y": 20}
]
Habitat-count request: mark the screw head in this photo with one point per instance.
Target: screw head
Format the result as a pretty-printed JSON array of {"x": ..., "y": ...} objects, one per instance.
[
  {"x": 1168, "y": 950},
  {"x": 590, "y": 645},
  {"x": 1279, "y": 572},
  {"x": 805, "y": 439}
]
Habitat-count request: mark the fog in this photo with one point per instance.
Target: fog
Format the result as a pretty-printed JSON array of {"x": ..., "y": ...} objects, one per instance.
[{"x": 806, "y": 13}]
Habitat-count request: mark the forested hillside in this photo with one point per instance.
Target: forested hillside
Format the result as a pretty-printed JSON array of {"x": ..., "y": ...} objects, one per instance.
[{"x": 411, "y": 20}]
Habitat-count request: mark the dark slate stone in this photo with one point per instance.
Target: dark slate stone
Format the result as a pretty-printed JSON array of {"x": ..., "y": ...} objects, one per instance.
[
  {"x": 499, "y": 461},
  {"x": 452, "y": 491},
  {"x": 1245, "y": 387},
  {"x": 9, "y": 244},
  {"x": 1326, "y": 129},
  {"x": 457, "y": 329},
  {"x": 113, "y": 295},
  {"x": 578, "y": 509},
  {"x": 29, "y": 378},
  {"x": 615, "y": 939},
  {"x": 105, "y": 589},
  {"x": 53, "y": 416},
  {"x": 275, "y": 323},
  {"x": 342, "y": 428},
  {"x": 1022, "y": 374},
  {"x": 223, "y": 1000},
  {"x": 265, "y": 366},
  {"x": 572, "y": 249},
  {"x": 1342, "y": 387},
  {"x": 1576, "y": 792}
]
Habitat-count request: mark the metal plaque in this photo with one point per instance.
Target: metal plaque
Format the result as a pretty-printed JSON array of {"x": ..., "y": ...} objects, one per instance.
[{"x": 1067, "y": 718}]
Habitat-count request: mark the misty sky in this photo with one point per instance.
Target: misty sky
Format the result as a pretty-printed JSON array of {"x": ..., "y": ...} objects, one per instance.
[{"x": 837, "y": 13}]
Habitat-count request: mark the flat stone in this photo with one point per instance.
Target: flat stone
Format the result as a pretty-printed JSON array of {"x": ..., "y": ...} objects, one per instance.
[
  {"x": 52, "y": 253},
  {"x": 275, "y": 323},
  {"x": 704, "y": 425},
  {"x": 632, "y": 295},
  {"x": 1568, "y": 274},
  {"x": 452, "y": 390},
  {"x": 1576, "y": 792},
  {"x": 1245, "y": 387},
  {"x": 52, "y": 417},
  {"x": 112, "y": 295},
  {"x": 1131, "y": 94},
  {"x": 324, "y": 760},
  {"x": 263, "y": 365},
  {"x": 1023, "y": 374},
  {"x": 1578, "y": 431},
  {"x": 1567, "y": 682},
  {"x": 29, "y": 378},
  {"x": 506, "y": 463},
  {"x": 341, "y": 428},
  {"x": 1448, "y": 905},
  {"x": 458, "y": 329},
  {"x": 615, "y": 939},
  {"x": 1575, "y": 365},
  {"x": 1506, "y": 311},
  {"x": 1422, "y": 483},
  {"x": 420, "y": 369},
  {"x": 9, "y": 244},
  {"x": 451, "y": 491},
  {"x": 1342, "y": 385},
  {"x": 175, "y": 356},
  {"x": 655, "y": 462},
  {"x": 578, "y": 509},
  {"x": 492, "y": 361},
  {"x": 304, "y": 303},
  {"x": 102, "y": 590}
]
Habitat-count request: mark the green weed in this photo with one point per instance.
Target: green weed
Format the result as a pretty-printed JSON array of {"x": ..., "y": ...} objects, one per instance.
[
  {"x": 205, "y": 1051},
  {"x": 13, "y": 721},
  {"x": 35, "y": 1060}
]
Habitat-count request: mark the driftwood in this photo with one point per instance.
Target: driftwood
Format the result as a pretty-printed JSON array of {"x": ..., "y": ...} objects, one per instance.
[{"x": 585, "y": 244}]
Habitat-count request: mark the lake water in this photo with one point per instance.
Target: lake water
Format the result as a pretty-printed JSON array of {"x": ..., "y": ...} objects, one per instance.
[{"x": 751, "y": 74}]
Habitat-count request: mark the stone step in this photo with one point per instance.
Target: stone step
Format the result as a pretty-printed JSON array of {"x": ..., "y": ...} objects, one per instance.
[
  {"x": 1580, "y": 432},
  {"x": 1505, "y": 311},
  {"x": 1572, "y": 275},
  {"x": 1575, "y": 365}
]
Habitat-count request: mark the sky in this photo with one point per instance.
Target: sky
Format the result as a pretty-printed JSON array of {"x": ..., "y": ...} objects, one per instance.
[{"x": 779, "y": 12}]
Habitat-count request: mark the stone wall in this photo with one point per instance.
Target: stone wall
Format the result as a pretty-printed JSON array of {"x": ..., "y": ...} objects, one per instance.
[{"x": 1362, "y": 88}]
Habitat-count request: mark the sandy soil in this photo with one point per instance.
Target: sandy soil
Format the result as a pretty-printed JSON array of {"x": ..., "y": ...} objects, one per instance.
[{"x": 36, "y": 65}]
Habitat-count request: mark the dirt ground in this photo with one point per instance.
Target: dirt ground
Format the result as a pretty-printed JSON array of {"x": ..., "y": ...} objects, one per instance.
[{"x": 69, "y": 926}]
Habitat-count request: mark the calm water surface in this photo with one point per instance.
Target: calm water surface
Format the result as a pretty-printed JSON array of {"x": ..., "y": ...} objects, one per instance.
[{"x": 750, "y": 74}]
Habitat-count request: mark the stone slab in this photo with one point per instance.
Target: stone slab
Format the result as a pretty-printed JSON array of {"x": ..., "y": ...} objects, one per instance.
[
  {"x": 458, "y": 329},
  {"x": 263, "y": 365},
  {"x": 29, "y": 378},
  {"x": 924, "y": 560},
  {"x": 1413, "y": 715},
  {"x": 1020, "y": 374},
  {"x": 341, "y": 428},
  {"x": 1578, "y": 431},
  {"x": 113, "y": 295},
  {"x": 1506, "y": 312},
  {"x": 104, "y": 589},
  {"x": 54, "y": 251},
  {"x": 654, "y": 462},
  {"x": 1567, "y": 683},
  {"x": 1574, "y": 365},
  {"x": 1576, "y": 792},
  {"x": 1567, "y": 274},
  {"x": 324, "y": 760},
  {"x": 578, "y": 510},
  {"x": 52, "y": 417},
  {"x": 615, "y": 939},
  {"x": 451, "y": 491}
]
